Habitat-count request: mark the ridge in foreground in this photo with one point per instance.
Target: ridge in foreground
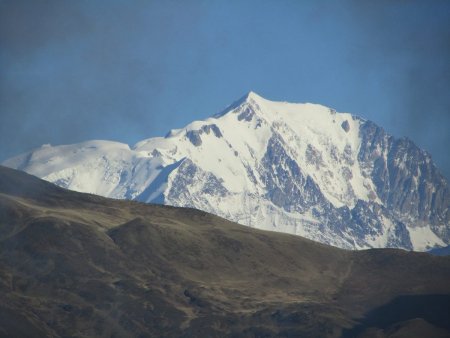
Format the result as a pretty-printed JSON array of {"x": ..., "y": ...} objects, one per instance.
[{"x": 82, "y": 265}]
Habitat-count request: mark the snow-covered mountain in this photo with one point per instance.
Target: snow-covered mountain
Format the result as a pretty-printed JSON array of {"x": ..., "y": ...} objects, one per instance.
[{"x": 297, "y": 168}]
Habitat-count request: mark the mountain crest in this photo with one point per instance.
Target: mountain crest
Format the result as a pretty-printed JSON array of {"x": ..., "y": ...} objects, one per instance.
[{"x": 251, "y": 98}]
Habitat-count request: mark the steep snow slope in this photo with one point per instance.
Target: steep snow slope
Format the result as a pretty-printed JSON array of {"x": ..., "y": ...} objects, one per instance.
[{"x": 296, "y": 168}]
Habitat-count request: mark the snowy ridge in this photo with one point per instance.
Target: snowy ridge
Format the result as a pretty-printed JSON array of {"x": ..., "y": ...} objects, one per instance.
[{"x": 297, "y": 168}]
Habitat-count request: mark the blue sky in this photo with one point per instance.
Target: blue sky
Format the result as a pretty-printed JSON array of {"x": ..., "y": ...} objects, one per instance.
[{"x": 129, "y": 70}]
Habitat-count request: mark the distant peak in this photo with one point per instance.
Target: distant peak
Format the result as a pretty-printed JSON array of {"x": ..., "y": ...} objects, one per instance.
[{"x": 251, "y": 95}]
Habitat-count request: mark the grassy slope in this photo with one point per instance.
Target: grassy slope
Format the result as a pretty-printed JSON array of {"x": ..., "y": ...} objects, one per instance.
[{"x": 80, "y": 265}]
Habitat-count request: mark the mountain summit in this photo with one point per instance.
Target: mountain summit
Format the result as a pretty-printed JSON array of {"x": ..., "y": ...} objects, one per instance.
[{"x": 297, "y": 168}]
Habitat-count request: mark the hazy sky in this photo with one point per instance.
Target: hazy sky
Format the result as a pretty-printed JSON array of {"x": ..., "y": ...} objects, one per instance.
[{"x": 129, "y": 70}]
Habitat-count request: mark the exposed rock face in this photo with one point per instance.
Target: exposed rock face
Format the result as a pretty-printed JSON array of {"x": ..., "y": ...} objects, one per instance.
[
  {"x": 187, "y": 175},
  {"x": 286, "y": 185},
  {"x": 298, "y": 168},
  {"x": 406, "y": 179},
  {"x": 195, "y": 135},
  {"x": 346, "y": 126}
]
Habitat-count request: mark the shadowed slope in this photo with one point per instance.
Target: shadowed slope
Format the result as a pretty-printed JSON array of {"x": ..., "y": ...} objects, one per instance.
[{"x": 81, "y": 265}]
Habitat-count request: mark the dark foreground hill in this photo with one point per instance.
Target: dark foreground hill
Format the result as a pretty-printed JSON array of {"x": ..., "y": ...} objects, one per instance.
[{"x": 78, "y": 265}]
